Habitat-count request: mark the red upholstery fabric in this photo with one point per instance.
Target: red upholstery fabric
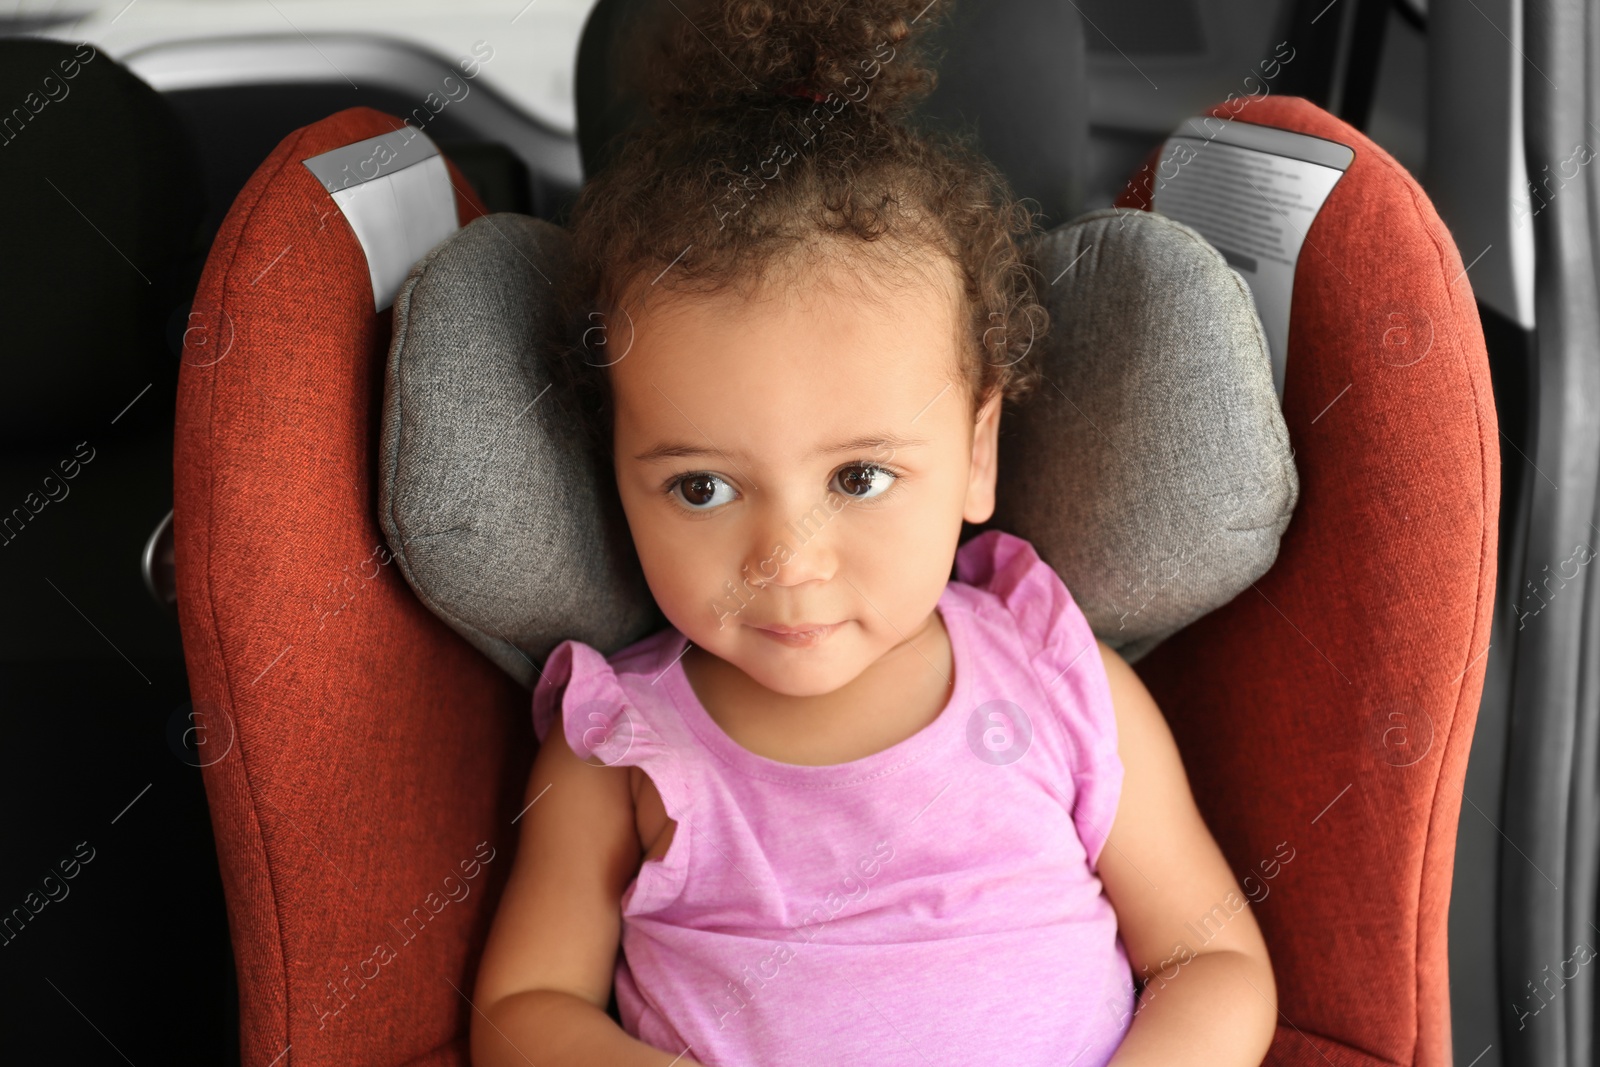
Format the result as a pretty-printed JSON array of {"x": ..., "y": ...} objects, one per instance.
[
  {"x": 1369, "y": 631},
  {"x": 372, "y": 749}
]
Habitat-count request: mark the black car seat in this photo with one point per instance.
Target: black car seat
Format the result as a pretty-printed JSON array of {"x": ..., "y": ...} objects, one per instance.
[{"x": 101, "y": 206}]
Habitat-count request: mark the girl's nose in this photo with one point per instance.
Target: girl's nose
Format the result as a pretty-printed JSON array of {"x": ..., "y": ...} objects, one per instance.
[{"x": 793, "y": 543}]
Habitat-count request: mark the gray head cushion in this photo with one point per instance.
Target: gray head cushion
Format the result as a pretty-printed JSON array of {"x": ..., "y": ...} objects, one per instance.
[
  {"x": 1171, "y": 451},
  {"x": 1151, "y": 467},
  {"x": 503, "y": 524}
]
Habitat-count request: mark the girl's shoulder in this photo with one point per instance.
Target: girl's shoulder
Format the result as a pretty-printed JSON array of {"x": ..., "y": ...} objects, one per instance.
[
  {"x": 1030, "y": 629},
  {"x": 614, "y": 715},
  {"x": 1000, "y": 578},
  {"x": 605, "y": 702}
]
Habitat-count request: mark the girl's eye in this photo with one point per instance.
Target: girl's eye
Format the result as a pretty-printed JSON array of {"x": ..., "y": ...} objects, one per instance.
[
  {"x": 699, "y": 491},
  {"x": 703, "y": 491},
  {"x": 864, "y": 481}
]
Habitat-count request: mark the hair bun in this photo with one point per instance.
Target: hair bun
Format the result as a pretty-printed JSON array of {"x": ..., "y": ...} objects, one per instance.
[
  {"x": 859, "y": 56},
  {"x": 804, "y": 91}
]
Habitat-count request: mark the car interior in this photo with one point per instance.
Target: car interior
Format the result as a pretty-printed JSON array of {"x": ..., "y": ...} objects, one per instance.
[{"x": 255, "y": 745}]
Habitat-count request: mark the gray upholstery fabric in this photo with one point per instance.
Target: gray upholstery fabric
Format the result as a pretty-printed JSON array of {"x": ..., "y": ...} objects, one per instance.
[
  {"x": 1152, "y": 467},
  {"x": 504, "y": 528}
]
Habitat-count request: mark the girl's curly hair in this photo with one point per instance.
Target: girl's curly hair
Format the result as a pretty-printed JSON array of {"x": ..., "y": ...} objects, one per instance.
[{"x": 777, "y": 125}]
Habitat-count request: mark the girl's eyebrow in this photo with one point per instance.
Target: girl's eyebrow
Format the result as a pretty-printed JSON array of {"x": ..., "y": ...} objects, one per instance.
[{"x": 871, "y": 442}]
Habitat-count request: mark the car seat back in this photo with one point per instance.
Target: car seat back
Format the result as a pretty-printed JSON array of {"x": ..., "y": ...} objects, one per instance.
[
  {"x": 1328, "y": 712},
  {"x": 363, "y": 810}
]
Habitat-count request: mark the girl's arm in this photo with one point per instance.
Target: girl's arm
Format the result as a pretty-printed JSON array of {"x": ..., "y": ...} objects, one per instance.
[
  {"x": 1211, "y": 1002},
  {"x": 547, "y": 968}
]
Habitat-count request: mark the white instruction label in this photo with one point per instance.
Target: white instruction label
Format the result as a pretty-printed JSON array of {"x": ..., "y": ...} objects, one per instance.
[
  {"x": 1253, "y": 192},
  {"x": 394, "y": 190}
]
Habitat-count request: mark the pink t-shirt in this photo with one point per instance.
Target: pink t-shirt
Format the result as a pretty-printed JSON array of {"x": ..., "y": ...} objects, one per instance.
[{"x": 935, "y": 902}]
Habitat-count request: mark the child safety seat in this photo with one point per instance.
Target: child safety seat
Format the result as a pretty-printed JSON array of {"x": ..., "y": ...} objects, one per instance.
[{"x": 364, "y": 816}]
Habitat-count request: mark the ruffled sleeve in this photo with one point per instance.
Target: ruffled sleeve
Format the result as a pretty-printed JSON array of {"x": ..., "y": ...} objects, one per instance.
[
  {"x": 579, "y": 682},
  {"x": 603, "y": 725},
  {"x": 1065, "y": 658}
]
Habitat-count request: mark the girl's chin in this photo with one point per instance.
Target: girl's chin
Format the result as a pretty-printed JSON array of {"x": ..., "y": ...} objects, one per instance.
[{"x": 794, "y": 672}]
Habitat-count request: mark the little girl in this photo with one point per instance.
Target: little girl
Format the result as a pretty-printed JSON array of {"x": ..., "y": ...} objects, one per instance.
[{"x": 847, "y": 808}]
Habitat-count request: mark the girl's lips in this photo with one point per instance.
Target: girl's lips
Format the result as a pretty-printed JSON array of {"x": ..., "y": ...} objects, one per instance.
[{"x": 796, "y": 637}]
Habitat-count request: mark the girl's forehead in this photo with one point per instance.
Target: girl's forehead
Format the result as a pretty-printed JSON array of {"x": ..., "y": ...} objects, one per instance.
[
  {"x": 790, "y": 389},
  {"x": 791, "y": 371},
  {"x": 904, "y": 328}
]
